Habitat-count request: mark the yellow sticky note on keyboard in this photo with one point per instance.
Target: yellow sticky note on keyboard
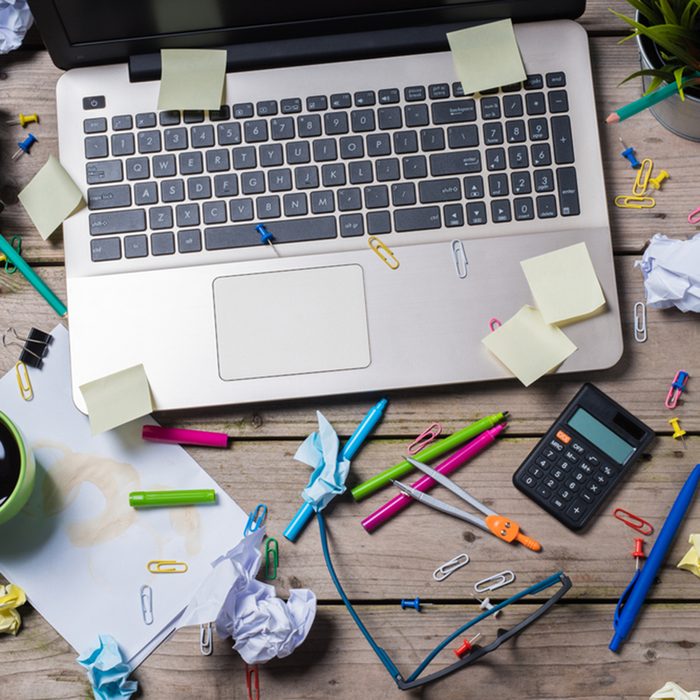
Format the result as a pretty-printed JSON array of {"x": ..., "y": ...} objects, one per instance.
[
  {"x": 564, "y": 284},
  {"x": 117, "y": 398},
  {"x": 50, "y": 198},
  {"x": 528, "y": 346},
  {"x": 192, "y": 78},
  {"x": 486, "y": 56}
]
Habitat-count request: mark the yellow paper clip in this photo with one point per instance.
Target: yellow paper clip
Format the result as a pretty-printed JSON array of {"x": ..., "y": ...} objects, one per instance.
[
  {"x": 23, "y": 382},
  {"x": 641, "y": 182},
  {"x": 379, "y": 247},
  {"x": 166, "y": 566},
  {"x": 625, "y": 201}
]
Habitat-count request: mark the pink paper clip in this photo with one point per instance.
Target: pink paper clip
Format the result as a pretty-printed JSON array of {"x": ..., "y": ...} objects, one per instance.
[
  {"x": 634, "y": 521},
  {"x": 425, "y": 438},
  {"x": 494, "y": 323},
  {"x": 694, "y": 216},
  {"x": 676, "y": 389}
]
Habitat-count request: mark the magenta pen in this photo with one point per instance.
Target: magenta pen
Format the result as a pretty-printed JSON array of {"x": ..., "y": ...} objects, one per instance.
[{"x": 179, "y": 436}]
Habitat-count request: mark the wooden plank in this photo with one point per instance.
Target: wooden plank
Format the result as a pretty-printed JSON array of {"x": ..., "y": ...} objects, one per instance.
[{"x": 563, "y": 655}]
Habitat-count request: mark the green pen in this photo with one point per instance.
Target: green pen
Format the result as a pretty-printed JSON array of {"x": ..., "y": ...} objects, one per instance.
[
  {"x": 158, "y": 499},
  {"x": 367, "y": 488}
]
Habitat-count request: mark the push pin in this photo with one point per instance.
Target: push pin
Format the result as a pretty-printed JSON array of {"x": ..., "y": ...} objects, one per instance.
[
  {"x": 415, "y": 604},
  {"x": 467, "y": 646},
  {"x": 24, "y": 119},
  {"x": 266, "y": 237},
  {"x": 638, "y": 552},
  {"x": 24, "y": 146},
  {"x": 486, "y": 604},
  {"x": 655, "y": 182},
  {"x": 629, "y": 154},
  {"x": 678, "y": 432}
]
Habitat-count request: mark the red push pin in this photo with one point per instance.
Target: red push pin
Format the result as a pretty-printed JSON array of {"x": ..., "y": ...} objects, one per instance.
[
  {"x": 467, "y": 646},
  {"x": 638, "y": 551}
]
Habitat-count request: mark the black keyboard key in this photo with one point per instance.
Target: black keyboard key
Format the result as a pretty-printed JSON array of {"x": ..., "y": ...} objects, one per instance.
[
  {"x": 271, "y": 154},
  {"x": 266, "y": 108},
  {"x": 169, "y": 118},
  {"x": 255, "y": 131},
  {"x": 495, "y": 159},
  {"x": 558, "y": 101},
  {"x": 295, "y": 204},
  {"x": 362, "y": 120},
  {"x": 473, "y": 187},
  {"x": 287, "y": 231},
  {"x": 454, "y": 111},
  {"x": 457, "y": 89},
  {"x": 389, "y": 97},
  {"x": 229, "y": 134},
  {"x": 493, "y": 133},
  {"x": 352, "y": 147},
  {"x": 349, "y": 199},
  {"x": 534, "y": 103},
  {"x": 221, "y": 114},
  {"x": 405, "y": 142},
  {"x": 193, "y": 116},
  {"x": 191, "y": 163},
  {"x": 418, "y": 219},
  {"x": 324, "y": 149},
  {"x": 414, "y": 167},
  {"x": 189, "y": 240},
  {"x": 403, "y": 194},
  {"x": 322, "y": 202},
  {"x": 146, "y": 120},
  {"x": 538, "y": 129},
  {"x": 360, "y": 172},
  {"x": 515, "y": 131},
  {"x": 218, "y": 160},
  {"x": 546, "y": 206},
  {"x": 512, "y": 106},
  {"x": 103, "y": 172},
  {"x": 556, "y": 80},
  {"x": 335, "y": 123},
  {"x": 145, "y": 193},
  {"x": 517, "y": 157},
  {"x": 416, "y": 115},
  {"x": 176, "y": 139},
  {"x": 341, "y": 100},
  {"x": 290, "y": 106},
  {"x": 453, "y": 215},
  {"x": 490, "y": 108},
  {"x": 105, "y": 249},
  {"x": 378, "y": 145},
  {"x": 333, "y": 174},
  {"x": 309, "y": 125},
  {"x": 524, "y": 208},
  {"x": 282, "y": 128},
  {"x": 352, "y": 225},
  {"x": 500, "y": 211},
  {"x": 378, "y": 222},
  {"x": 149, "y": 141},
  {"x": 94, "y": 102},
  {"x": 534, "y": 82},
  {"x": 439, "y": 91},
  {"x": 561, "y": 140},
  {"x": 241, "y": 210},
  {"x": 521, "y": 183},
  {"x": 163, "y": 243},
  {"x": 122, "y": 122},
  {"x": 109, "y": 197},
  {"x": 432, "y": 139},
  {"x": 298, "y": 152},
  {"x": 415, "y": 93},
  {"x": 243, "y": 157},
  {"x": 366, "y": 98},
  {"x": 511, "y": 87},
  {"x": 318, "y": 103},
  {"x": 164, "y": 166},
  {"x": 172, "y": 190},
  {"x": 243, "y": 110},
  {"x": 226, "y": 185},
  {"x": 200, "y": 187},
  {"x": 136, "y": 246},
  {"x": 544, "y": 181},
  {"x": 266, "y": 207},
  {"x": 306, "y": 177},
  {"x": 202, "y": 136},
  {"x": 96, "y": 125},
  {"x": 476, "y": 213},
  {"x": 568, "y": 192},
  {"x": 447, "y": 190},
  {"x": 463, "y": 136},
  {"x": 498, "y": 185},
  {"x": 187, "y": 215},
  {"x": 541, "y": 154},
  {"x": 387, "y": 169},
  {"x": 117, "y": 222},
  {"x": 455, "y": 163},
  {"x": 96, "y": 147}
]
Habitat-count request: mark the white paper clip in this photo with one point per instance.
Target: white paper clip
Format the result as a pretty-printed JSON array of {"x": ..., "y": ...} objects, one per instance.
[
  {"x": 449, "y": 567},
  {"x": 640, "y": 322},
  {"x": 460, "y": 258},
  {"x": 491, "y": 583},
  {"x": 146, "y": 595},
  {"x": 206, "y": 641}
]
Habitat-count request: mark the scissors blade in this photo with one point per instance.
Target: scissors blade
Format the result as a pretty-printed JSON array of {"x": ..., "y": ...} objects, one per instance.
[{"x": 449, "y": 484}]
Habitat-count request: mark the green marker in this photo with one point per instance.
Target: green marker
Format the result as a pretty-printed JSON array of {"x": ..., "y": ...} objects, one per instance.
[
  {"x": 157, "y": 499},
  {"x": 367, "y": 488}
]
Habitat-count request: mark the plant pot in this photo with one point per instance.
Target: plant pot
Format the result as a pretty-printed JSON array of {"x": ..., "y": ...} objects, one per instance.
[{"x": 681, "y": 117}]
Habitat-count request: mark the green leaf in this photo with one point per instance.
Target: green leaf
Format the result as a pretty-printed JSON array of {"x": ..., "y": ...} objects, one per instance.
[
  {"x": 668, "y": 12},
  {"x": 678, "y": 75}
]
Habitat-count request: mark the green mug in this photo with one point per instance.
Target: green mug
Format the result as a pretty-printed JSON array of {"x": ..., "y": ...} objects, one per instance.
[{"x": 17, "y": 470}]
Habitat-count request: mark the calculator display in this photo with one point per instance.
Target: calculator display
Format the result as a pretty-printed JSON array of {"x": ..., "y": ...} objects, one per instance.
[{"x": 600, "y": 436}]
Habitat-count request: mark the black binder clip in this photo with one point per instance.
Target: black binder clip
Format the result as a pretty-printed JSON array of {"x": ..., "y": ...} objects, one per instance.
[{"x": 34, "y": 346}]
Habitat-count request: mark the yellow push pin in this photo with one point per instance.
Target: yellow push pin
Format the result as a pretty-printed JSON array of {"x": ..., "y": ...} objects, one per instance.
[
  {"x": 678, "y": 432},
  {"x": 655, "y": 182},
  {"x": 24, "y": 119}
]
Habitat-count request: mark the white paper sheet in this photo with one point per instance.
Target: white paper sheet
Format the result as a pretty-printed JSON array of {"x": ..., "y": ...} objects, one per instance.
[{"x": 77, "y": 548}]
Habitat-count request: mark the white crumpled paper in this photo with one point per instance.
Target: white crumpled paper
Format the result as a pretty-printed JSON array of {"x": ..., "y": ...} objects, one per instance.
[
  {"x": 671, "y": 271},
  {"x": 672, "y": 691},
  {"x": 262, "y": 625},
  {"x": 15, "y": 20}
]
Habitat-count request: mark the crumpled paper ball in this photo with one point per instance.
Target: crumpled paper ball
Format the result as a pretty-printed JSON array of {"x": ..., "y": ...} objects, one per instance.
[
  {"x": 11, "y": 597},
  {"x": 15, "y": 20},
  {"x": 107, "y": 671}
]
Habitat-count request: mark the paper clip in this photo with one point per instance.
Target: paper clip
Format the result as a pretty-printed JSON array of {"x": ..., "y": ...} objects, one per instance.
[
  {"x": 494, "y": 324},
  {"x": 491, "y": 583},
  {"x": 694, "y": 216},
  {"x": 255, "y": 519},
  {"x": 432, "y": 432},
  {"x": 460, "y": 258},
  {"x": 641, "y": 182},
  {"x": 206, "y": 641},
  {"x": 252, "y": 682},
  {"x": 34, "y": 346},
  {"x": 146, "y": 595},
  {"x": 676, "y": 389},
  {"x": 625, "y": 201},
  {"x": 166, "y": 566},
  {"x": 16, "y": 243},
  {"x": 23, "y": 382},
  {"x": 640, "y": 322},
  {"x": 380, "y": 248},
  {"x": 634, "y": 521},
  {"x": 272, "y": 558},
  {"x": 449, "y": 567}
]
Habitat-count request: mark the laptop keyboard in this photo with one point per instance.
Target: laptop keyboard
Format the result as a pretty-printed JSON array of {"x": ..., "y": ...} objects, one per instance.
[{"x": 340, "y": 165}]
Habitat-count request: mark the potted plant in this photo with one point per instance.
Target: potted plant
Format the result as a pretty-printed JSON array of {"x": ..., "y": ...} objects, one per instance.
[{"x": 668, "y": 36}]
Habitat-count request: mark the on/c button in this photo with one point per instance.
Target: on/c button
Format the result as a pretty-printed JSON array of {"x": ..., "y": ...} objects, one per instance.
[
  {"x": 95, "y": 102},
  {"x": 563, "y": 437}
]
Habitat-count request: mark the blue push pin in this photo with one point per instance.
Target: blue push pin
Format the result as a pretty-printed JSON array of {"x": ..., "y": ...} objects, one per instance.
[
  {"x": 24, "y": 146},
  {"x": 415, "y": 604},
  {"x": 266, "y": 237},
  {"x": 629, "y": 154}
]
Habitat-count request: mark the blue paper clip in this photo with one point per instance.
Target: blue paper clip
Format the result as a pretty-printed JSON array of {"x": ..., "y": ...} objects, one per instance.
[
  {"x": 676, "y": 389},
  {"x": 256, "y": 519}
]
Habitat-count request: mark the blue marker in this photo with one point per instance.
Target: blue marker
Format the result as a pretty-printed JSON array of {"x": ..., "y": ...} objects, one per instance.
[
  {"x": 305, "y": 513},
  {"x": 631, "y": 600}
]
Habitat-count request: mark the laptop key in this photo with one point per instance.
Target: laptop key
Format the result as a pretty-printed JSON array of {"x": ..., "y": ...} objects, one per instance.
[
  {"x": 515, "y": 131},
  {"x": 96, "y": 125},
  {"x": 378, "y": 145},
  {"x": 474, "y": 187},
  {"x": 541, "y": 154},
  {"x": 226, "y": 185},
  {"x": 333, "y": 174},
  {"x": 149, "y": 141},
  {"x": 255, "y": 131},
  {"x": 324, "y": 149},
  {"x": 221, "y": 114},
  {"x": 295, "y": 204},
  {"x": 493, "y": 133},
  {"x": 521, "y": 183},
  {"x": 538, "y": 129},
  {"x": 457, "y": 89},
  {"x": 160, "y": 217},
  {"x": 518, "y": 158},
  {"x": 193, "y": 116},
  {"x": 317, "y": 103},
  {"x": 558, "y": 101},
  {"x": 306, "y": 177},
  {"x": 279, "y": 180},
  {"x": 202, "y": 136},
  {"x": 352, "y": 225},
  {"x": 241, "y": 210},
  {"x": 439, "y": 91},
  {"x": 266, "y": 108},
  {"x": 534, "y": 103},
  {"x": 476, "y": 213},
  {"x": 137, "y": 169},
  {"x": 291, "y": 105},
  {"x": 524, "y": 208},
  {"x": 405, "y": 142},
  {"x": 414, "y": 167},
  {"x": 282, "y": 128},
  {"x": 229, "y": 134},
  {"x": 126, "y": 221},
  {"x": 163, "y": 243},
  {"x": 544, "y": 181},
  {"x": 546, "y": 206},
  {"x": 187, "y": 215},
  {"x": 455, "y": 163},
  {"x": 252, "y": 182},
  {"x": 164, "y": 165},
  {"x": 416, "y": 115},
  {"x": 349, "y": 199},
  {"x": 568, "y": 192},
  {"x": 387, "y": 169},
  {"x": 556, "y": 80},
  {"x": 352, "y": 147},
  {"x": 403, "y": 194},
  {"x": 309, "y": 125},
  {"x": 360, "y": 172},
  {"x": 218, "y": 160},
  {"x": 378, "y": 222},
  {"x": 267, "y": 208},
  {"x": 447, "y": 190},
  {"x": 414, "y": 93},
  {"x": 335, "y": 123},
  {"x": 200, "y": 187},
  {"x": 172, "y": 190},
  {"x": 284, "y": 231},
  {"x": 175, "y": 139},
  {"x": 495, "y": 159},
  {"x": 498, "y": 185},
  {"x": 145, "y": 193},
  {"x": 500, "y": 211},
  {"x": 512, "y": 106},
  {"x": 362, "y": 120},
  {"x": 418, "y": 219},
  {"x": 145, "y": 120},
  {"x": 462, "y": 136},
  {"x": 122, "y": 122},
  {"x": 169, "y": 118},
  {"x": 322, "y": 202},
  {"x": 136, "y": 246},
  {"x": 341, "y": 100},
  {"x": 104, "y": 172},
  {"x": 109, "y": 197},
  {"x": 390, "y": 96},
  {"x": 365, "y": 98},
  {"x": 376, "y": 197},
  {"x": 96, "y": 147},
  {"x": 432, "y": 139},
  {"x": 243, "y": 157},
  {"x": 534, "y": 82},
  {"x": 105, "y": 249},
  {"x": 561, "y": 140},
  {"x": 490, "y": 108},
  {"x": 189, "y": 240},
  {"x": 454, "y": 111},
  {"x": 453, "y": 215}
]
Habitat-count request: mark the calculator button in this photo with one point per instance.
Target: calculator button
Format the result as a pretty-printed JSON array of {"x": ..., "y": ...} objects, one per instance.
[
  {"x": 561, "y": 435},
  {"x": 587, "y": 497},
  {"x": 593, "y": 488},
  {"x": 580, "y": 476},
  {"x": 550, "y": 483},
  {"x": 542, "y": 463},
  {"x": 571, "y": 456},
  {"x": 565, "y": 495},
  {"x": 572, "y": 486},
  {"x": 577, "y": 448},
  {"x": 564, "y": 465},
  {"x": 591, "y": 459},
  {"x": 600, "y": 479},
  {"x": 528, "y": 480},
  {"x": 536, "y": 472},
  {"x": 558, "y": 503},
  {"x": 549, "y": 454},
  {"x": 585, "y": 468},
  {"x": 556, "y": 445},
  {"x": 577, "y": 510},
  {"x": 544, "y": 492},
  {"x": 558, "y": 474},
  {"x": 607, "y": 470}
]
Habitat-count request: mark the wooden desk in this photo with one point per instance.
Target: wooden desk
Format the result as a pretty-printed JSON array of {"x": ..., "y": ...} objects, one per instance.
[{"x": 563, "y": 656}]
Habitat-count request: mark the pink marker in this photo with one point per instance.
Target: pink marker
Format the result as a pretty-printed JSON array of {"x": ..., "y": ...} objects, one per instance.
[
  {"x": 425, "y": 483},
  {"x": 178, "y": 436}
]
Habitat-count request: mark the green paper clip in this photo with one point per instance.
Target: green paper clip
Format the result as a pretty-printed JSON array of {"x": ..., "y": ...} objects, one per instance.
[{"x": 271, "y": 558}]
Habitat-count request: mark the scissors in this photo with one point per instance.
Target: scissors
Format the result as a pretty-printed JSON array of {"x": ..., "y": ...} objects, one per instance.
[{"x": 504, "y": 528}]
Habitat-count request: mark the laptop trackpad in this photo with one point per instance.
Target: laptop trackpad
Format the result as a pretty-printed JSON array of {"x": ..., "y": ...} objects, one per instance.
[{"x": 292, "y": 322}]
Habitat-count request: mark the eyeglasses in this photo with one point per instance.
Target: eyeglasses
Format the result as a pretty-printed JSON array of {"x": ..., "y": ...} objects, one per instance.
[{"x": 415, "y": 679}]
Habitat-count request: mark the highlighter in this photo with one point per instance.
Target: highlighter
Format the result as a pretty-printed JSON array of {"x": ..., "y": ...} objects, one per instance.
[{"x": 158, "y": 499}]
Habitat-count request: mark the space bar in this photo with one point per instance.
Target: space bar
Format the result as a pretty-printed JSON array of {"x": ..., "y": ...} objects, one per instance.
[{"x": 288, "y": 231}]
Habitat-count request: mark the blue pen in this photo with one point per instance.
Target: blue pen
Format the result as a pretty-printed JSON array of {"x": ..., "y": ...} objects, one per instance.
[
  {"x": 633, "y": 597},
  {"x": 366, "y": 426}
]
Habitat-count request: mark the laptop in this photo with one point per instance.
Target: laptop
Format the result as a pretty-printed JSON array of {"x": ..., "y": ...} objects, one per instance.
[{"x": 400, "y": 208}]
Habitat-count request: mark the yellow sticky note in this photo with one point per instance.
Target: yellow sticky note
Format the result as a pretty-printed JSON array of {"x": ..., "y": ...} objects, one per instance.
[
  {"x": 192, "y": 78},
  {"x": 117, "y": 398},
  {"x": 528, "y": 346},
  {"x": 564, "y": 284},
  {"x": 486, "y": 56},
  {"x": 50, "y": 198}
]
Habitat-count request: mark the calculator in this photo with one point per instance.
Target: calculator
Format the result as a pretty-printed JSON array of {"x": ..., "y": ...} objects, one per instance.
[{"x": 583, "y": 457}]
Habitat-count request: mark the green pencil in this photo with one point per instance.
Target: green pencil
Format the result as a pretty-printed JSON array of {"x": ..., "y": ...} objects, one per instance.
[{"x": 367, "y": 488}]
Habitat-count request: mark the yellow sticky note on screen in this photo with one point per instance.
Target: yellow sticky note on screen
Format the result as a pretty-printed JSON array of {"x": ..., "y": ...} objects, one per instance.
[
  {"x": 117, "y": 398},
  {"x": 486, "y": 56},
  {"x": 51, "y": 197},
  {"x": 528, "y": 346},
  {"x": 192, "y": 78},
  {"x": 564, "y": 284}
]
